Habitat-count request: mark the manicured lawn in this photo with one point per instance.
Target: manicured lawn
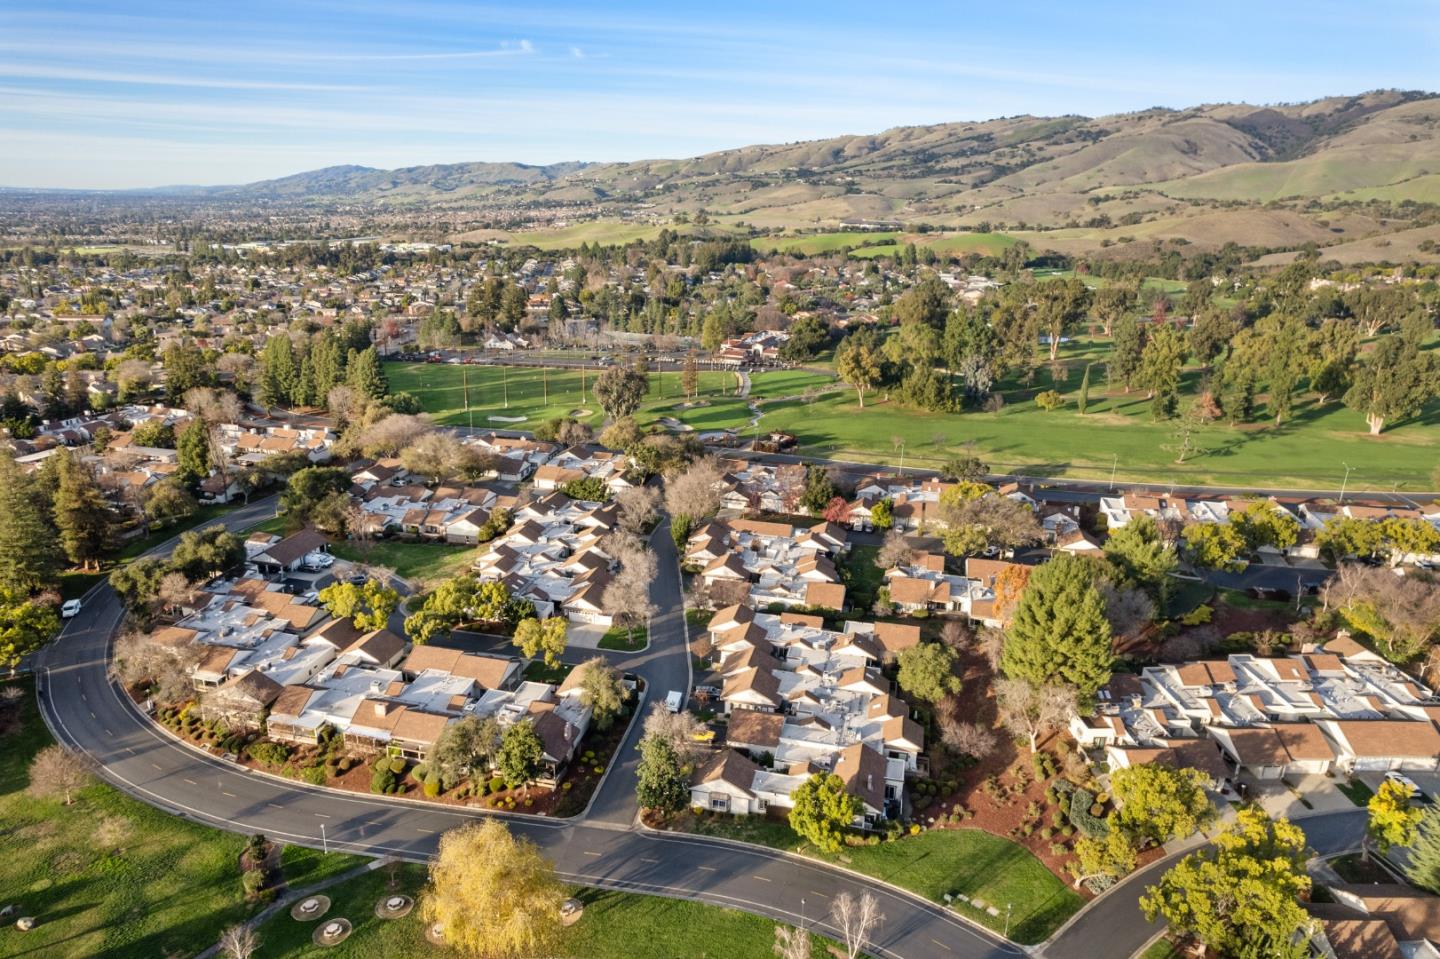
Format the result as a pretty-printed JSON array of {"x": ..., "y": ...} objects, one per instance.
[
  {"x": 1355, "y": 791},
  {"x": 614, "y": 926},
  {"x": 423, "y": 565},
  {"x": 535, "y": 393},
  {"x": 955, "y": 861},
  {"x": 305, "y": 867},
  {"x": 203, "y": 516},
  {"x": 624, "y": 639},
  {"x": 275, "y": 524},
  {"x": 538, "y": 672},
  {"x": 1161, "y": 949},
  {"x": 540, "y": 394},
  {"x": 1117, "y": 433},
  {"x": 107, "y": 876}
]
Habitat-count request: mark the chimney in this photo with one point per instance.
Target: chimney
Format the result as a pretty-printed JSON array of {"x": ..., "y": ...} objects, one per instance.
[
  {"x": 869, "y": 782},
  {"x": 381, "y": 709}
]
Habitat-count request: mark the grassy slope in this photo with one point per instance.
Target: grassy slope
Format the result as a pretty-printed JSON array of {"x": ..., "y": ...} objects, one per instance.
[
  {"x": 614, "y": 926},
  {"x": 107, "y": 876},
  {"x": 941, "y": 861}
]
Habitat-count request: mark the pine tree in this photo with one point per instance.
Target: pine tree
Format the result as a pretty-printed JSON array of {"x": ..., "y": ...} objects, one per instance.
[
  {"x": 365, "y": 375},
  {"x": 1059, "y": 634},
  {"x": 81, "y": 514},
  {"x": 277, "y": 371},
  {"x": 1084, "y": 400},
  {"x": 192, "y": 452},
  {"x": 29, "y": 551},
  {"x": 1424, "y": 858}
]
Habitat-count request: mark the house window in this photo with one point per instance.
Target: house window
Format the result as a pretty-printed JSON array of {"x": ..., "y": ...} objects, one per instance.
[{"x": 720, "y": 803}]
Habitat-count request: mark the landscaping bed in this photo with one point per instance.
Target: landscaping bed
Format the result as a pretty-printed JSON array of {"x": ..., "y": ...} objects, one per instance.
[{"x": 333, "y": 766}]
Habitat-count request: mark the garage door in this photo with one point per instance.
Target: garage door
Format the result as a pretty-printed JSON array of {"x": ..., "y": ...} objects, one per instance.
[{"x": 1371, "y": 764}]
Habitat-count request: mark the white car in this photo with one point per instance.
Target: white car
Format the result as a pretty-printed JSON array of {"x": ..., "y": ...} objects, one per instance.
[
  {"x": 674, "y": 700},
  {"x": 1416, "y": 792},
  {"x": 318, "y": 560},
  {"x": 70, "y": 608}
]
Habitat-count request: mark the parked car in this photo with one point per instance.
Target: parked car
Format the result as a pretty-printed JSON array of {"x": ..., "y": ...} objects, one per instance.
[
  {"x": 1408, "y": 783},
  {"x": 674, "y": 700},
  {"x": 357, "y": 578},
  {"x": 70, "y": 608}
]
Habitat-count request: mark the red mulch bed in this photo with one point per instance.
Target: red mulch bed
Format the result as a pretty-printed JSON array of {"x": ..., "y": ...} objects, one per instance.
[{"x": 1002, "y": 819}]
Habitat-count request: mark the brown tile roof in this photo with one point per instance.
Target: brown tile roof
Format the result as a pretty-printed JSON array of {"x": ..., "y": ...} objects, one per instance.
[
  {"x": 754, "y": 679},
  {"x": 1410, "y": 913},
  {"x": 729, "y": 767},
  {"x": 292, "y": 701},
  {"x": 379, "y": 644},
  {"x": 803, "y": 619},
  {"x": 1304, "y": 741},
  {"x": 895, "y": 637},
  {"x": 1390, "y": 737},
  {"x": 863, "y": 770},
  {"x": 825, "y": 595},
  {"x": 1205, "y": 673},
  {"x": 1361, "y": 939},
  {"x": 908, "y": 590},
  {"x": 750, "y": 727}
]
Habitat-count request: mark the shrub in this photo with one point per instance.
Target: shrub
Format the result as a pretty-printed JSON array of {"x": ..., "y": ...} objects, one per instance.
[
  {"x": 1198, "y": 616},
  {"x": 497, "y": 785},
  {"x": 397, "y": 765},
  {"x": 1047, "y": 833},
  {"x": 1058, "y": 849},
  {"x": 420, "y": 771},
  {"x": 1097, "y": 810},
  {"x": 432, "y": 783},
  {"x": 383, "y": 780},
  {"x": 1067, "y": 830},
  {"x": 921, "y": 802},
  {"x": 314, "y": 775},
  {"x": 268, "y": 753},
  {"x": 1082, "y": 815},
  {"x": 1049, "y": 400}
]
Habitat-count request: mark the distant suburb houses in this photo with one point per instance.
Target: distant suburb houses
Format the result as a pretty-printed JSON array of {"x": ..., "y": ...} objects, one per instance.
[
  {"x": 803, "y": 699},
  {"x": 769, "y": 564}
]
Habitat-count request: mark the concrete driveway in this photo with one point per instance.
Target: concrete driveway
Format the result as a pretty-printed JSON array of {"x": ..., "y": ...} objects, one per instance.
[{"x": 1282, "y": 797}]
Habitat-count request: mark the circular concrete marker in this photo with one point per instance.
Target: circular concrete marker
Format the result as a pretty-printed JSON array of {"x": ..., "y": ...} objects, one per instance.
[
  {"x": 332, "y": 932},
  {"x": 435, "y": 933},
  {"x": 393, "y": 907},
  {"x": 570, "y": 912},
  {"x": 310, "y": 908}
]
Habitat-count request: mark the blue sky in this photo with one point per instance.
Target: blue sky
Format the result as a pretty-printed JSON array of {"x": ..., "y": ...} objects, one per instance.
[{"x": 151, "y": 93}]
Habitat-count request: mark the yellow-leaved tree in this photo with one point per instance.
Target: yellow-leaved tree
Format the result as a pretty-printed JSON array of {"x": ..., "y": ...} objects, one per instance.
[{"x": 492, "y": 894}]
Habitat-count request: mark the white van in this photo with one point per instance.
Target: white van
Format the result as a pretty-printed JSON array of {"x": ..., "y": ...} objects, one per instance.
[{"x": 674, "y": 700}]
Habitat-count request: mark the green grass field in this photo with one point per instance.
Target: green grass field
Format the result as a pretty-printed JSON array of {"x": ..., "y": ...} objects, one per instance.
[
  {"x": 539, "y": 394},
  {"x": 937, "y": 862},
  {"x": 423, "y": 565},
  {"x": 884, "y": 243},
  {"x": 109, "y": 876},
  {"x": 613, "y": 926},
  {"x": 1118, "y": 433}
]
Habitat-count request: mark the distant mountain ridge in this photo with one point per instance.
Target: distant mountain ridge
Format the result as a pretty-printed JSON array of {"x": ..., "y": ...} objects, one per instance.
[{"x": 1123, "y": 177}]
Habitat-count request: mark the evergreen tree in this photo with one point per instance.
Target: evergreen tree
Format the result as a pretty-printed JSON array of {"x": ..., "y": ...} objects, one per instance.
[
  {"x": 660, "y": 781},
  {"x": 277, "y": 371},
  {"x": 1142, "y": 557},
  {"x": 1128, "y": 345},
  {"x": 365, "y": 375},
  {"x": 328, "y": 363},
  {"x": 29, "y": 550},
  {"x": 1084, "y": 399},
  {"x": 1059, "y": 634},
  {"x": 81, "y": 514},
  {"x": 192, "y": 450},
  {"x": 1424, "y": 858}
]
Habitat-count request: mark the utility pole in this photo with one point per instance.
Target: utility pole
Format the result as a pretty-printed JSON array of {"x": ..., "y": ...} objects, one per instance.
[
  {"x": 505, "y": 384},
  {"x": 324, "y": 843},
  {"x": 1344, "y": 484},
  {"x": 1114, "y": 465},
  {"x": 465, "y": 385}
]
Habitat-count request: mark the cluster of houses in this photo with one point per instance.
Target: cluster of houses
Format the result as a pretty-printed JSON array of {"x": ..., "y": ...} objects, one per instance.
[
  {"x": 553, "y": 556},
  {"x": 391, "y": 504},
  {"x": 761, "y": 348},
  {"x": 1337, "y": 708},
  {"x": 584, "y": 462},
  {"x": 767, "y": 564},
  {"x": 278, "y": 663},
  {"x": 1376, "y": 921},
  {"x": 803, "y": 699}
]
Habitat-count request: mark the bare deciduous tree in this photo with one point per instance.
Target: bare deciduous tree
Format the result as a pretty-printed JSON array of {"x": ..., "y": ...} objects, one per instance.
[
  {"x": 956, "y": 634},
  {"x": 239, "y": 942},
  {"x": 1127, "y": 609},
  {"x": 436, "y": 455},
  {"x": 174, "y": 589},
  {"x": 572, "y": 432},
  {"x": 1400, "y": 613},
  {"x": 992, "y": 644},
  {"x": 792, "y": 943},
  {"x": 970, "y": 739},
  {"x": 696, "y": 492},
  {"x": 165, "y": 669},
  {"x": 1031, "y": 711},
  {"x": 894, "y": 551},
  {"x": 677, "y": 729},
  {"x": 637, "y": 507},
  {"x": 856, "y": 917},
  {"x": 56, "y": 771},
  {"x": 392, "y": 434}
]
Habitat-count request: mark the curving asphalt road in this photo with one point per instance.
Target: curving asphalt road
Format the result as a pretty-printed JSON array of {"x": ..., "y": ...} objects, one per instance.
[{"x": 88, "y": 711}]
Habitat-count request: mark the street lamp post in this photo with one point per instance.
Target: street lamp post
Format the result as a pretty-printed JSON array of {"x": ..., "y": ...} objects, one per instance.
[
  {"x": 1345, "y": 483},
  {"x": 1114, "y": 465},
  {"x": 324, "y": 843}
]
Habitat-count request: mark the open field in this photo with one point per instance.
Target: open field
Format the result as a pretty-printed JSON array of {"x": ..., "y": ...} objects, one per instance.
[
  {"x": 603, "y": 232},
  {"x": 885, "y": 243},
  {"x": 935, "y": 863},
  {"x": 109, "y": 876},
  {"x": 541, "y": 393},
  {"x": 613, "y": 926},
  {"x": 1118, "y": 433}
]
